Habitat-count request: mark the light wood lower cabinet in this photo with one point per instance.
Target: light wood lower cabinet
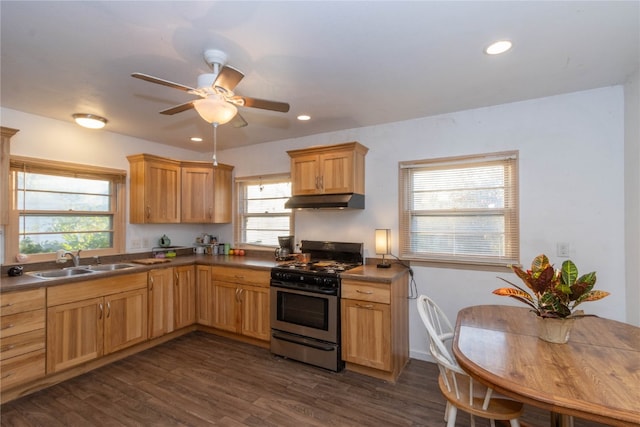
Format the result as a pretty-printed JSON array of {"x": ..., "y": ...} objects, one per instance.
[
  {"x": 204, "y": 296},
  {"x": 375, "y": 335},
  {"x": 184, "y": 297},
  {"x": 235, "y": 300},
  {"x": 161, "y": 301},
  {"x": 87, "y": 320},
  {"x": 22, "y": 337}
]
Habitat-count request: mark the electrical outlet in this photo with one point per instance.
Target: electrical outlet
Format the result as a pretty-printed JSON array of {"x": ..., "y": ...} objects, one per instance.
[
  {"x": 145, "y": 243},
  {"x": 135, "y": 244},
  {"x": 562, "y": 249}
]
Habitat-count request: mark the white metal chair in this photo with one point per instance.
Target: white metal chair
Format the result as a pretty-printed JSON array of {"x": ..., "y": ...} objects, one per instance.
[{"x": 460, "y": 390}]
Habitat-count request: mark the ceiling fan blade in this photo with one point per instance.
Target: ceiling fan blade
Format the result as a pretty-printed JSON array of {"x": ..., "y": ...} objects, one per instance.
[
  {"x": 228, "y": 78},
  {"x": 178, "y": 108},
  {"x": 163, "y": 82},
  {"x": 264, "y": 104},
  {"x": 238, "y": 121}
]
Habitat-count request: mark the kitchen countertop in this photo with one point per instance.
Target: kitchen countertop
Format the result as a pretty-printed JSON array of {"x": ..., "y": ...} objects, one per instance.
[{"x": 365, "y": 272}]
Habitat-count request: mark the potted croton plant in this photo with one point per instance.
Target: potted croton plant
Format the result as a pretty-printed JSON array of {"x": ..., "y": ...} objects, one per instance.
[{"x": 554, "y": 295}]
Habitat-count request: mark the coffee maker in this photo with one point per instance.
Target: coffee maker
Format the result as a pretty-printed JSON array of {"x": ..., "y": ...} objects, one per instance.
[{"x": 285, "y": 251}]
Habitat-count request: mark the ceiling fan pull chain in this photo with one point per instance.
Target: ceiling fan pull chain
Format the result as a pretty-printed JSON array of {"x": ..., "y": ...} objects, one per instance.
[{"x": 215, "y": 143}]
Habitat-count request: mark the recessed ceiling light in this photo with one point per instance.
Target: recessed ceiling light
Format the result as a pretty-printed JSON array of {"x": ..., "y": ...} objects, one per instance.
[
  {"x": 498, "y": 47},
  {"x": 90, "y": 121},
  {"x": 196, "y": 139},
  {"x": 304, "y": 117}
]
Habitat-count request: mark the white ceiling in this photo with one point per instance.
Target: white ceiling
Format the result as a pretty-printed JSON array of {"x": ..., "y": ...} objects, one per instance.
[{"x": 348, "y": 64}]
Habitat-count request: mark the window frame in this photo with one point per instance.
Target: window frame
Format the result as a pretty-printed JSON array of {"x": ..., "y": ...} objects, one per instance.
[
  {"x": 509, "y": 160},
  {"x": 117, "y": 178},
  {"x": 240, "y": 183}
]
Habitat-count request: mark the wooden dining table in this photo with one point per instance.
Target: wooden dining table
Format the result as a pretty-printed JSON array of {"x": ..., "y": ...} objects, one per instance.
[{"x": 594, "y": 376}]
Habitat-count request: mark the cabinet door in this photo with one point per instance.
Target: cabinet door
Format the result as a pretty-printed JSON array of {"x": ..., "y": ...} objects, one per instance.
[
  {"x": 305, "y": 175},
  {"x": 222, "y": 194},
  {"x": 226, "y": 307},
  {"x": 160, "y": 302},
  {"x": 204, "y": 296},
  {"x": 366, "y": 333},
  {"x": 125, "y": 320},
  {"x": 74, "y": 333},
  {"x": 162, "y": 192},
  {"x": 197, "y": 195},
  {"x": 337, "y": 172},
  {"x": 184, "y": 297},
  {"x": 255, "y": 312}
]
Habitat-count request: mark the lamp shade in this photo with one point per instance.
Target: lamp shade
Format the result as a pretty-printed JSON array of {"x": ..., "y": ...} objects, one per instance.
[
  {"x": 214, "y": 109},
  {"x": 383, "y": 241}
]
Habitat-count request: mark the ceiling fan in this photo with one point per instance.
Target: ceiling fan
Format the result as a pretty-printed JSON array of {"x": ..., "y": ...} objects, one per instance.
[{"x": 217, "y": 104}]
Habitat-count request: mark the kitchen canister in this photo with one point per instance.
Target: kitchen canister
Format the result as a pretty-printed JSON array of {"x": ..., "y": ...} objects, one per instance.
[{"x": 227, "y": 246}]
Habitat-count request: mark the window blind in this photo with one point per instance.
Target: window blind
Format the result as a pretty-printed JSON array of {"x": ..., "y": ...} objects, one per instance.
[{"x": 460, "y": 209}]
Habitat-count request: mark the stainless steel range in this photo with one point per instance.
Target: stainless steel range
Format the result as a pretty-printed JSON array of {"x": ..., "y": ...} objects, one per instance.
[{"x": 305, "y": 303}]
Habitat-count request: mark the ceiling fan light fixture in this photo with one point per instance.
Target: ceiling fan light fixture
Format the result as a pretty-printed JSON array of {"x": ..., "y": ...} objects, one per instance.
[
  {"x": 496, "y": 48},
  {"x": 90, "y": 121},
  {"x": 215, "y": 109}
]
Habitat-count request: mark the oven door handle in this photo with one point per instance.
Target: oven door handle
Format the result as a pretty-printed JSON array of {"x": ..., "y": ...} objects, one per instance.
[
  {"x": 302, "y": 341},
  {"x": 284, "y": 285}
]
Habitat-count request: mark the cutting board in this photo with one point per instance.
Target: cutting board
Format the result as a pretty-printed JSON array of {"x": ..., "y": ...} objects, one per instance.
[{"x": 150, "y": 261}]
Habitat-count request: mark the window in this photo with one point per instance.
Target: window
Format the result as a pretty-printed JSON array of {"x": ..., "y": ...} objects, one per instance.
[
  {"x": 460, "y": 210},
  {"x": 65, "y": 206},
  {"x": 261, "y": 216}
]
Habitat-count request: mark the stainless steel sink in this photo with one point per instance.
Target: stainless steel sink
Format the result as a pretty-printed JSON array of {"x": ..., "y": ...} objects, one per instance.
[
  {"x": 110, "y": 267},
  {"x": 67, "y": 272}
]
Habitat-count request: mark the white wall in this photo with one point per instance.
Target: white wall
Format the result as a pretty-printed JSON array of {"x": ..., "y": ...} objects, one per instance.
[
  {"x": 632, "y": 196},
  {"x": 41, "y": 137},
  {"x": 571, "y": 184}
]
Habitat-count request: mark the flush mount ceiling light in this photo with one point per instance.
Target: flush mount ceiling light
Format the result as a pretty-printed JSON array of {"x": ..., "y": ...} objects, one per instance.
[
  {"x": 195, "y": 139},
  {"x": 90, "y": 121},
  {"x": 215, "y": 109},
  {"x": 498, "y": 47},
  {"x": 304, "y": 117}
]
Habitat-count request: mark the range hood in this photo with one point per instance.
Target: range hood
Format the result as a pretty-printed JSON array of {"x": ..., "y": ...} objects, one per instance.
[{"x": 326, "y": 201}]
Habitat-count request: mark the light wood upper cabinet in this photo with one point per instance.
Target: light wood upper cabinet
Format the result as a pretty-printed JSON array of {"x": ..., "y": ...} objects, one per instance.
[
  {"x": 161, "y": 302},
  {"x": 206, "y": 193},
  {"x": 5, "y": 143},
  {"x": 170, "y": 191},
  {"x": 184, "y": 297},
  {"x": 330, "y": 169},
  {"x": 155, "y": 190},
  {"x": 86, "y": 320}
]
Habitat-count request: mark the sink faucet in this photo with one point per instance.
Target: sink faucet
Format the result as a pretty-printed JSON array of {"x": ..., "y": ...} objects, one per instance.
[{"x": 75, "y": 258}]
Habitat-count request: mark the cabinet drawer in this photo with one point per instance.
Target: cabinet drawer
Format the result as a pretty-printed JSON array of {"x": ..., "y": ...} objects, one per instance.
[
  {"x": 366, "y": 291},
  {"x": 21, "y": 322},
  {"x": 16, "y": 345},
  {"x": 247, "y": 276},
  {"x": 22, "y": 368},
  {"x": 16, "y": 302}
]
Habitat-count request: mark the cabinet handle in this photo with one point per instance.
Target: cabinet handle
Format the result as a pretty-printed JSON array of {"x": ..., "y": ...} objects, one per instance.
[
  {"x": 108, "y": 308},
  {"x": 321, "y": 182},
  {"x": 9, "y": 326},
  {"x": 317, "y": 182},
  {"x": 210, "y": 213},
  {"x": 366, "y": 306},
  {"x": 101, "y": 309},
  {"x": 177, "y": 278},
  {"x": 148, "y": 212},
  {"x": 364, "y": 292},
  {"x": 6, "y": 305},
  {"x": 150, "y": 283},
  {"x": 235, "y": 276}
]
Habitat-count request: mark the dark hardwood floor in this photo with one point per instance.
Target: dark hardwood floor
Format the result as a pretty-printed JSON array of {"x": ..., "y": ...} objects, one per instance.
[{"x": 201, "y": 379}]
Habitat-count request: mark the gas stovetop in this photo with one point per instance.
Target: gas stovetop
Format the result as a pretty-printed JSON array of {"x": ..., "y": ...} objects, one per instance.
[{"x": 324, "y": 266}]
